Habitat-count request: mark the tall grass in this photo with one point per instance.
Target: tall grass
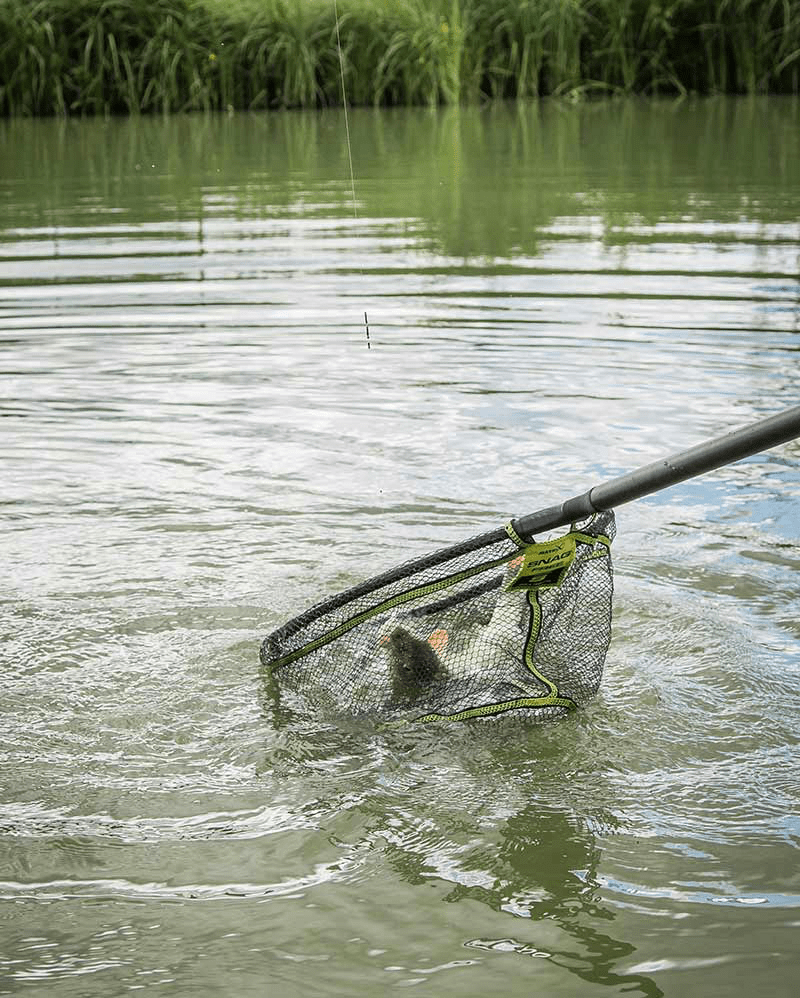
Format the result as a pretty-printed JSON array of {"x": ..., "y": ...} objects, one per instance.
[
  {"x": 129, "y": 56},
  {"x": 66, "y": 56}
]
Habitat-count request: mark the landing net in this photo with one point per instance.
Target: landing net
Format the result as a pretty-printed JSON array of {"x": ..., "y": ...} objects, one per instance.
[{"x": 491, "y": 625}]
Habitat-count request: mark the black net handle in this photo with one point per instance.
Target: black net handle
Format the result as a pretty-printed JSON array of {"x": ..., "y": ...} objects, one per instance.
[{"x": 744, "y": 442}]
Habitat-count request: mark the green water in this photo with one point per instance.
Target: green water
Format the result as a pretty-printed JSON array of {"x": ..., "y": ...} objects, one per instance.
[{"x": 197, "y": 444}]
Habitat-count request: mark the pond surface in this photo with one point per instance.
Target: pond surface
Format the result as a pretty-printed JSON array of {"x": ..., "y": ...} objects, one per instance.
[{"x": 197, "y": 444}]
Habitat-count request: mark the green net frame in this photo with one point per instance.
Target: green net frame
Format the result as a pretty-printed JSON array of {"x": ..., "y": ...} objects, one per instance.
[{"x": 491, "y": 625}]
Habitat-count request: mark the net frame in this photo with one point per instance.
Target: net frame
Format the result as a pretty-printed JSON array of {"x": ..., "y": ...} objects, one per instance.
[{"x": 463, "y": 587}]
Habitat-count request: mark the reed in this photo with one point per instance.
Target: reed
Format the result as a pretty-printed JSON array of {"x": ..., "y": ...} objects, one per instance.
[
  {"x": 94, "y": 56},
  {"x": 130, "y": 56}
]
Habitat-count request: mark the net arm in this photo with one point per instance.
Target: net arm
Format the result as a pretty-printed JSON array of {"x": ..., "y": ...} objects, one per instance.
[{"x": 716, "y": 453}]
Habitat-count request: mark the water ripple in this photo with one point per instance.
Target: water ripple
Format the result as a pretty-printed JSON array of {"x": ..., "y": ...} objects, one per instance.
[{"x": 199, "y": 444}]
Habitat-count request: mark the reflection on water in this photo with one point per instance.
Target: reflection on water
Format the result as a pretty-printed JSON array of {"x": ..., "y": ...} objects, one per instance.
[
  {"x": 540, "y": 864},
  {"x": 548, "y": 852},
  {"x": 197, "y": 444}
]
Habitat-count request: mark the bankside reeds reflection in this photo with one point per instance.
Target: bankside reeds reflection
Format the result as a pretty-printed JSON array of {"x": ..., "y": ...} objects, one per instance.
[{"x": 616, "y": 165}]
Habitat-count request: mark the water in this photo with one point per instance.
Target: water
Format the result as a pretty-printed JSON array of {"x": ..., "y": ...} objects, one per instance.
[{"x": 197, "y": 443}]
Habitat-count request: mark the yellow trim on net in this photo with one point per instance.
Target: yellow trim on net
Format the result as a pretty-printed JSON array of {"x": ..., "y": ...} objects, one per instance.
[
  {"x": 491, "y": 709},
  {"x": 515, "y": 537}
]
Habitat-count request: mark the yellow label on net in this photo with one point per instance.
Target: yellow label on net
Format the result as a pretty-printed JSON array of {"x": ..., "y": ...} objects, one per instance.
[{"x": 543, "y": 564}]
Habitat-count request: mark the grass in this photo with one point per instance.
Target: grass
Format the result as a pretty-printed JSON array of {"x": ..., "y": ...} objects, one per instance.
[{"x": 129, "y": 56}]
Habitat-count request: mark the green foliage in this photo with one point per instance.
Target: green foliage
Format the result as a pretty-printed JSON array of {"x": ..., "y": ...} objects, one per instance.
[
  {"x": 65, "y": 56},
  {"x": 129, "y": 56}
]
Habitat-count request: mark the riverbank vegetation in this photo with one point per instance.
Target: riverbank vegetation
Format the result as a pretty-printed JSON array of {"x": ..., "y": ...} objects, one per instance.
[{"x": 128, "y": 56}]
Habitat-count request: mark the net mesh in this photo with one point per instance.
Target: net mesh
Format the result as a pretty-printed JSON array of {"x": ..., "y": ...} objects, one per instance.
[{"x": 493, "y": 624}]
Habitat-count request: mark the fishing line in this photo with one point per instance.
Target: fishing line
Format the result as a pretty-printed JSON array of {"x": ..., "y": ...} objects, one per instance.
[{"x": 347, "y": 133}]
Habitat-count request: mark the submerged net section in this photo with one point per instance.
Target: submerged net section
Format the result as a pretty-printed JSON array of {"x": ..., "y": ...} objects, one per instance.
[{"x": 493, "y": 624}]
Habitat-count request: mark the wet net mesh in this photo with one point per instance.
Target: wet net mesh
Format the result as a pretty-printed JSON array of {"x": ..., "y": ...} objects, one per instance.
[{"x": 491, "y": 625}]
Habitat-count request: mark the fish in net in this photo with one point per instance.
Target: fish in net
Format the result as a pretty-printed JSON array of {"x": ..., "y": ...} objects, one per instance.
[{"x": 490, "y": 625}]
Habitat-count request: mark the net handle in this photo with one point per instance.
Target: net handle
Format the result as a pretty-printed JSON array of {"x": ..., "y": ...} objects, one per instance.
[{"x": 716, "y": 453}]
